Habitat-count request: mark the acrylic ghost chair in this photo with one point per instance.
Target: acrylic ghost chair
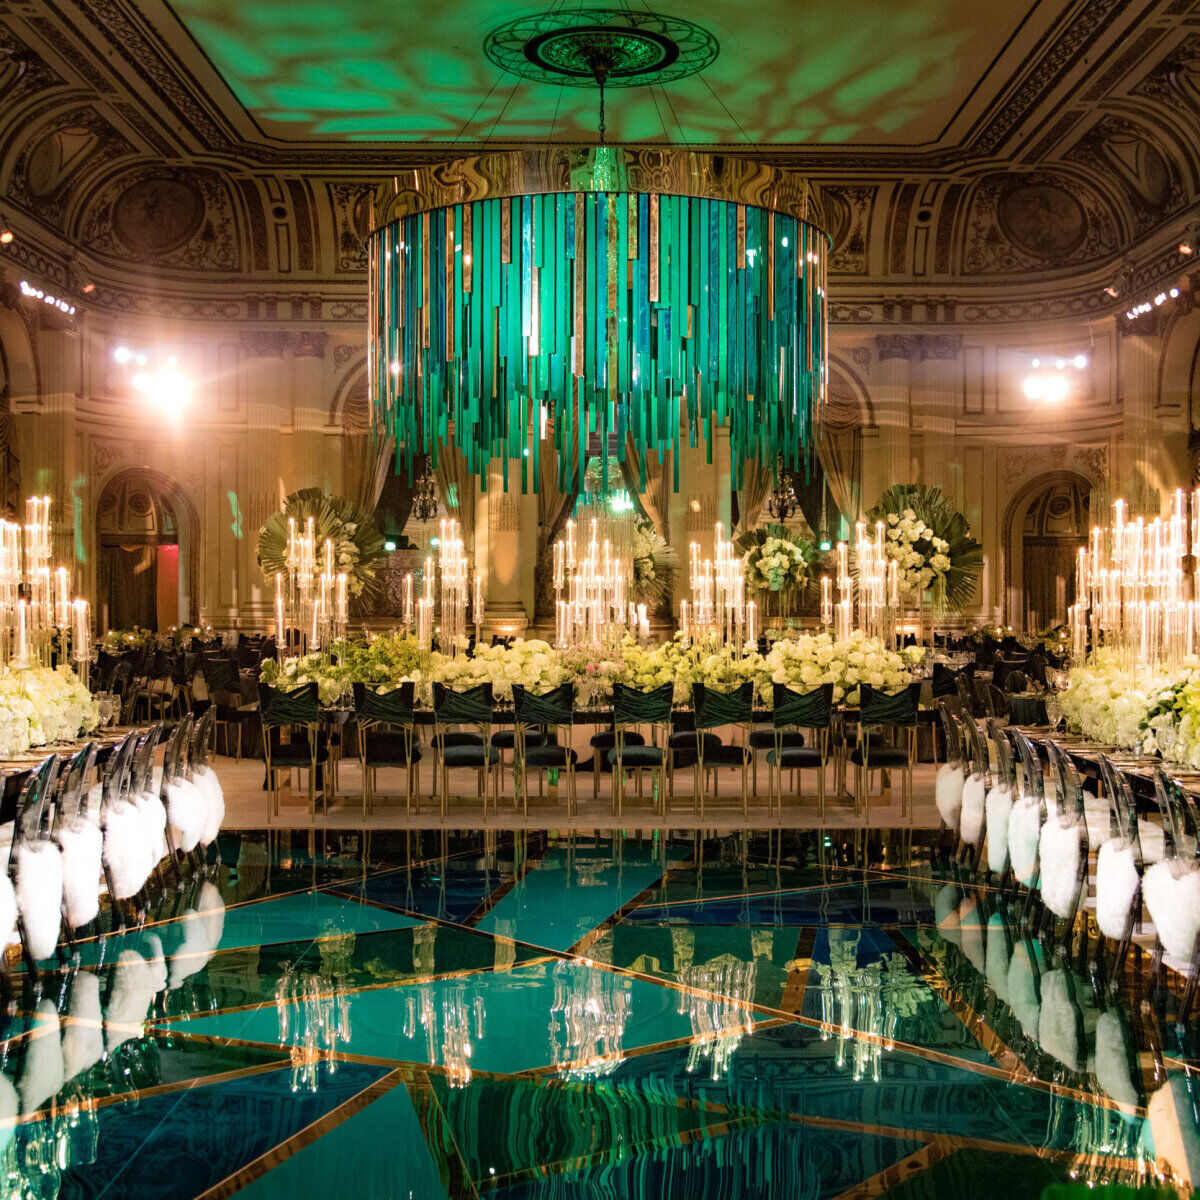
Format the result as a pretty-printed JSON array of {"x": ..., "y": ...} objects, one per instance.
[
  {"x": 1118, "y": 867},
  {"x": 975, "y": 790},
  {"x": 952, "y": 774},
  {"x": 35, "y": 866},
  {"x": 126, "y": 850},
  {"x": 80, "y": 841},
  {"x": 202, "y": 774},
  {"x": 1027, "y": 816},
  {"x": 1172, "y": 888},
  {"x": 1063, "y": 846},
  {"x": 1001, "y": 796}
]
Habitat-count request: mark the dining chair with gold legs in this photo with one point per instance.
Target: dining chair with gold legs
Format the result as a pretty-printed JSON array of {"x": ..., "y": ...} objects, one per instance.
[
  {"x": 715, "y": 709},
  {"x": 297, "y": 710},
  {"x": 385, "y": 739},
  {"x": 542, "y": 721},
  {"x": 896, "y": 713},
  {"x": 471, "y": 707},
  {"x": 791, "y": 712},
  {"x": 634, "y": 710}
]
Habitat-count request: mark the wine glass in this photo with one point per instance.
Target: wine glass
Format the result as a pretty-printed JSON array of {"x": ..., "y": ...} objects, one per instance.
[
  {"x": 1053, "y": 708},
  {"x": 1168, "y": 739}
]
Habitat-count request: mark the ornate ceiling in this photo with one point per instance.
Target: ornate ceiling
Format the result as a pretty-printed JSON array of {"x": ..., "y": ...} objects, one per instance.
[{"x": 209, "y": 160}]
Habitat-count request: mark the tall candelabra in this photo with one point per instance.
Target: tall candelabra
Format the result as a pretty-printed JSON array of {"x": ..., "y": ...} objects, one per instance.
[
  {"x": 310, "y": 597},
  {"x": 36, "y": 607},
  {"x": 718, "y": 609},
  {"x": 868, "y": 596},
  {"x": 1136, "y": 585},
  {"x": 446, "y": 588},
  {"x": 595, "y": 582}
]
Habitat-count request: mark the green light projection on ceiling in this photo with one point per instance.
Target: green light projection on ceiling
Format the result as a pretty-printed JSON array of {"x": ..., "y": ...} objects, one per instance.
[{"x": 864, "y": 71}]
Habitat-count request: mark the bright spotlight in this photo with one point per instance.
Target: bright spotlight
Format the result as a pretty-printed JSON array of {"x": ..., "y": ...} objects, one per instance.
[
  {"x": 1059, "y": 363},
  {"x": 1035, "y": 387},
  {"x": 1056, "y": 389},
  {"x": 1080, "y": 361},
  {"x": 122, "y": 354},
  {"x": 6, "y": 237},
  {"x": 1037, "y": 362},
  {"x": 140, "y": 359}
]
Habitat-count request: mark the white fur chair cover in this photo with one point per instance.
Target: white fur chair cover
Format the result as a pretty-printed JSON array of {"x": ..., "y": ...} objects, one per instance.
[
  {"x": 81, "y": 853},
  {"x": 1060, "y": 850},
  {"x": 971, "y": 821},
  {"x": 1024, "y": 834},
  {"x": 1174, "y": 904},
  {"x": 999, "y": 806},
  {"x": 40, "y": 895},
  {"x": 1116, "y": 886},
  {"x": 187, "y": 810},
  {"x": 947, "y": 792}
]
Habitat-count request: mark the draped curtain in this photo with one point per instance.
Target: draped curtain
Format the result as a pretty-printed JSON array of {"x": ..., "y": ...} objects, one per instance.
[
  {"x": 839, "y": 448},
  {"x": 554, "y": 507},
  {"x": 654, "y": 498},
  {"x": 752, "y": 495},
  {"x": 368, "y": 460},
  {"x": 456, "y": 488},
  {"x": 129, "y": 586}
]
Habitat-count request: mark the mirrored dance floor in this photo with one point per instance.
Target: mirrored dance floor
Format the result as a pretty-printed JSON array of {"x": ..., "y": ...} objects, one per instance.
[{"x": 530, "y": 1016}]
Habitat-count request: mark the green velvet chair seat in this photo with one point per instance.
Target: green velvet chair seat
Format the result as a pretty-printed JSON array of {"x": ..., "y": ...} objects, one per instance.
[
  {"x": 880, "y": 756},
  {"x": 637, "y": 756},
  {"x": 456, "y": 738},
  {"x": 296, "y": 754},
  {"x": 506, "y": 739},
  {"x": 726, "y": 756},
  {"x": 794, "y": 758},
  {"x": 764, "y": 739},
  {"x": 549, "y": 756},
  {"x": 470, "y": 756}
]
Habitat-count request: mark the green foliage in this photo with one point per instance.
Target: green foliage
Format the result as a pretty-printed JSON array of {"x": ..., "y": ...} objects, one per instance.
[{"x": 357, "y": 542}]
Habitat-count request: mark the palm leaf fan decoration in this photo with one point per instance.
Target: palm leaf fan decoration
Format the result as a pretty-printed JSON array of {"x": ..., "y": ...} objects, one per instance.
[
  {"x": 953, "y": 588},
  {"x": 357, "y": 542},
  {"x": 654, "y": 563}
]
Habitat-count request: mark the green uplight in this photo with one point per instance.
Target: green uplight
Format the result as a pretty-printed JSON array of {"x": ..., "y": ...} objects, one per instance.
[
  {"x": 433, "y": 541},
  {"x": 389, "y": 546}
]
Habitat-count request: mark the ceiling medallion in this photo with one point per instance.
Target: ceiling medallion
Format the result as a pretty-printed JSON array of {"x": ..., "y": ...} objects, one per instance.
[{"x": 612, "y": 47}]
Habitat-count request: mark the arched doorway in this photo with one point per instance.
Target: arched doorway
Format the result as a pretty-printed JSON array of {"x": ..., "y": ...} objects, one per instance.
[
  {"x": 144, "y": 529},
  {"x": 1048, "y": 525}
]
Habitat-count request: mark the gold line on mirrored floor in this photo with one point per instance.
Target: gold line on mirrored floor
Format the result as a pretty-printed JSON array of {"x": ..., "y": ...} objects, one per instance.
[{"x": 304, "y": 1137}]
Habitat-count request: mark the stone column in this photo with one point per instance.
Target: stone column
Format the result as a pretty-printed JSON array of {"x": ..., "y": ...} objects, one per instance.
[
  {"x": 936, "y": 400},
  {"x": 505, "y": 548},
  {"x": 891, "y": 397}
]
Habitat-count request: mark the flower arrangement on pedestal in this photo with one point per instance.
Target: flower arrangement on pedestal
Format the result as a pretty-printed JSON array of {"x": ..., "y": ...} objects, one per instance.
[
  {"x": 357, "y": 542},
  {"x": 777, "y": 567},
  {"x": 930, "y": 543}
]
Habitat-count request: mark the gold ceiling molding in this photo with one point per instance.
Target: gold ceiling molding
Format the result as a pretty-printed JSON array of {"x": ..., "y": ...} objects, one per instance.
[{"x": 654, "y": 170}]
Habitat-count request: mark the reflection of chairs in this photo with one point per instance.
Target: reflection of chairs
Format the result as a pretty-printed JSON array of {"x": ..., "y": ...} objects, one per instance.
[
  {"x": 792, "y": 711},
  {"x": 385, "y": 737},
  {"x": 630, "y": 752},
  {"x": 714, "y": 709},
  {"x": 293, "y": 711},
  {"x": 470, "y": 707},
  {"x": 540, "y": 719},
  {"x": 897, "y": 714}
]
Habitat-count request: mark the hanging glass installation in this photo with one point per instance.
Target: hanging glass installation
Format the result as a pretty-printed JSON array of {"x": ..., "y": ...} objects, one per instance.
[{"x": 604, "y": 307}]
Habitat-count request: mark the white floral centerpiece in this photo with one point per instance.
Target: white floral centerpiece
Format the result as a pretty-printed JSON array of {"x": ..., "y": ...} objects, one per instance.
[
  {"x": 810, "y": 660},
  {"x": 775, "y": 564},
  {"x": 930, "y": 543},
  {"x": 43, "y": 705}
]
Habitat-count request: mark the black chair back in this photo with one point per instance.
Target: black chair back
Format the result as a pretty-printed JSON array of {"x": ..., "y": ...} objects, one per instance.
[
  {"x": 470, "y": 707},
  {"x": 300, "y": 706},
  {"x": 389, "y": 708},
  {"x": 634, "y": 707},
  {"x": 801, "y": 710},
  {"x": 886, "y": 708},
  {"x": 553, "y": 708},
  {"x": 714, "y": 708}
]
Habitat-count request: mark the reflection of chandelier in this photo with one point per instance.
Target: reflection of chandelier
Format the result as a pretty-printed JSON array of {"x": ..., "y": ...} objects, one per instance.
[
  {"x": 424, "y": 498},
  {"x": 314, "y": 1020},
  {"x": 452, "y": 1020},
  {"x": 720, "y": 1017},
  {"x": 616, "y": 290},
  {"x": 588, "y": 1021}
]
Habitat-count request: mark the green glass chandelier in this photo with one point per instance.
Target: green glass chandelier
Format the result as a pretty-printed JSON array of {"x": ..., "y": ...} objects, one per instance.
[{"x": 603, "y": 290}]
